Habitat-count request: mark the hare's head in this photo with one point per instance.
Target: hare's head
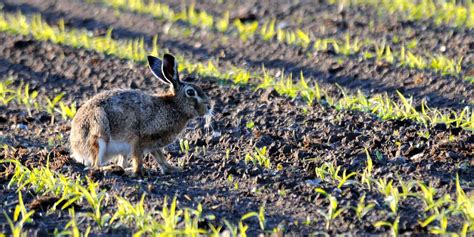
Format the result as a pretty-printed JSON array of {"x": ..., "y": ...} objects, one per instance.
[{"x": 192, "y": 100}]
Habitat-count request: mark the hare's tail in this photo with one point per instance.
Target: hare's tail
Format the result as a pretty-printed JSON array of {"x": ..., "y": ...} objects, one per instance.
[{"x": 90, "y": 140}]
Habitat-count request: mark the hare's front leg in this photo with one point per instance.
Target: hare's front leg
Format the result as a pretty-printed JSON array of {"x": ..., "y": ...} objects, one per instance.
[{"x": 165, "y": 167}]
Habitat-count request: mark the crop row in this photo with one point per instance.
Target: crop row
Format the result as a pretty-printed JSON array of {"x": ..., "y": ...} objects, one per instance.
[
  {"x": 269, "y": 31},
  {"x": 438, "y": 11},
  {"x": 79, "y": 191},
  {"x": 135, "y": 50},
  {"x": 438, "y": 208},
  {"x": 33, "y": 100}
]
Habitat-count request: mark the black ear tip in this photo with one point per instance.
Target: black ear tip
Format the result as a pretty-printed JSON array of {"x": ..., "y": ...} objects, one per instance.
[
  {"x": 151, "y": 58},
  {"x": 168, "y": 56}
]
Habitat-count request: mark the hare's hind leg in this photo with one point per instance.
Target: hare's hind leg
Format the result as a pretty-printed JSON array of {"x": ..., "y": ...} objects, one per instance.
[
  {"x": 165, "y": 167},
  {"x": 101, "y": 158},
  {"x": 100, "y": 133},
  {"x": 101, "y": 153}
]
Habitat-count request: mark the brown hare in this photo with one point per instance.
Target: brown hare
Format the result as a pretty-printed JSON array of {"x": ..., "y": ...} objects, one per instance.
[{"x": 118, "y": 124}]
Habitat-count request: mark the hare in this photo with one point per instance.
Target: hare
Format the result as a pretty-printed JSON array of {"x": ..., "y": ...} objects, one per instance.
[{"x": 131, "y": 123}]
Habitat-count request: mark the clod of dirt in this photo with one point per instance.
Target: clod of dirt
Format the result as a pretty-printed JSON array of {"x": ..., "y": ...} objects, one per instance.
[{"x": 44, "y": 203}]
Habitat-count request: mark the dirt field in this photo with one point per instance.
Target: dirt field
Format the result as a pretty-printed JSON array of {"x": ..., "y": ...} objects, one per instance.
[{"x": 299, "y": 139}]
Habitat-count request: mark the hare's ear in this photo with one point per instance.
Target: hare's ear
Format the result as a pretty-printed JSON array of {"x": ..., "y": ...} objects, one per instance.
[
  {"x": 155, "y": 67},
  {"x": 169, "y": 69}
]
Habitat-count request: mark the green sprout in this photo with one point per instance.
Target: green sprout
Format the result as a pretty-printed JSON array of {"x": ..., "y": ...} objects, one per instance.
[
  {"x": 250, "y": 124},
  {"x": 362, "y": 209},
  {"x": 268, "y": 30},
  {"x": 67, "y": 111},
  {"x": 74, "y": 229},
  {"x": 259, "y": 157},
  {"x": 184, "y": 146},
  {"x": 51, "y": 105},
  {"x": 260, "y": 215},
  {"x": 331, "y": 171},
  {"x": 223, "y": 23},
  {"x": 27, "y": 98},
  {"x": 393, "y": 226},
  {"x": 95, "y": 200},
  {"x": 332, "y": 211},
  {"x": 6, "y": 94},
  {"x": 16, "y": 225},
  {"x": 366, "y": 176}
]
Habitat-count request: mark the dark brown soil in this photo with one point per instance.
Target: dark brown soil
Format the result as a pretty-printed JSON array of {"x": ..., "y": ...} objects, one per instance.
[
  {"x": 298, "y": 141},
  {"x": 298, "y": 138}
]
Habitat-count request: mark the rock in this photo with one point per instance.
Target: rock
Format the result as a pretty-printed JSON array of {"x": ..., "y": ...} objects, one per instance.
[
  {"x": 453, "y": 155},
  {"x": 313, "y": 182},
  {"x": 264, "y": 141}
]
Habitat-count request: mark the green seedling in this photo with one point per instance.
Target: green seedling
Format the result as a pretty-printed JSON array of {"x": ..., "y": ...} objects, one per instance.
[
  {"x": 95, "y": 200},
  {"x": 331, "y": 171},
  {"x": 250, "y": 124},
  {"x": 215, "y": 231},
  {"x": 406, "y": 187},
  {"x": 191, "y": 16},
  {"x": 184, "y": 146},
  {"x": 260, "y": 215},
  {"x": 74, "y": 228},
  {"x": 321, "y": 45},
  {"x": 27, "y": 98},
  {"x": 6, "y": 94},
  {"x": 227, "y": 153},
  {"x": 267, "y": 31},
  {"x": 259, "y": 157},
  {"x": 223, "y": 23},
  {"x": 67, "y": 112},
  {"x": 303, "y": 39},
  {"x": 170, "y": 217},
  {"x": 366, "y": 176},
  {"x": 393, "y": 200},
  {"x": 428, "y": 194},
  {"x": 234, "y": 231},
  {"x": 308, "y": 93},
  {"x": 16, "y": 225},
  {"x": 464, "y": 204},
  {"x": 245, "y": 30},
  {"x": 384, "y": 187},
  {"x": 133, "y": 214},
  {"x": 362, "y": 208},
  {"x": 332, "y": 211},
  {"x": 393, "y": 226},
  {"x": 51, "y": 105},
  {"x": 348, "y": 48}
]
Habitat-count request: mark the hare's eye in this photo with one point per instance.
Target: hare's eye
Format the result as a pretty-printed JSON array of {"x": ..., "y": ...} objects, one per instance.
[{"x": 190, "y": 92}]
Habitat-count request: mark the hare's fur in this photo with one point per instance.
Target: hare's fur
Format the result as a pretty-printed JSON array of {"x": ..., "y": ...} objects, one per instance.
[{"x": 118, "y": 124}]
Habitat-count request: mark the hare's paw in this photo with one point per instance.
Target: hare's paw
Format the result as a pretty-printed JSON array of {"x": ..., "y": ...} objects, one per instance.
[
  {"x": 112, "y": 169},
  {"x": 169, "y": 169},
  {"x": 135, "y": 172}
]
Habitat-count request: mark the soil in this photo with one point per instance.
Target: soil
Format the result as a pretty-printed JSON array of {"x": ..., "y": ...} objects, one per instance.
[{"x": 298, "y": 138}]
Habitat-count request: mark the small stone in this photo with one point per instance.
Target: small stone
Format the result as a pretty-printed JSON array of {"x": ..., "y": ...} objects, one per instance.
[
  {"x": 453, "y": 155},
  {"x": 313, "y": 182}
]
